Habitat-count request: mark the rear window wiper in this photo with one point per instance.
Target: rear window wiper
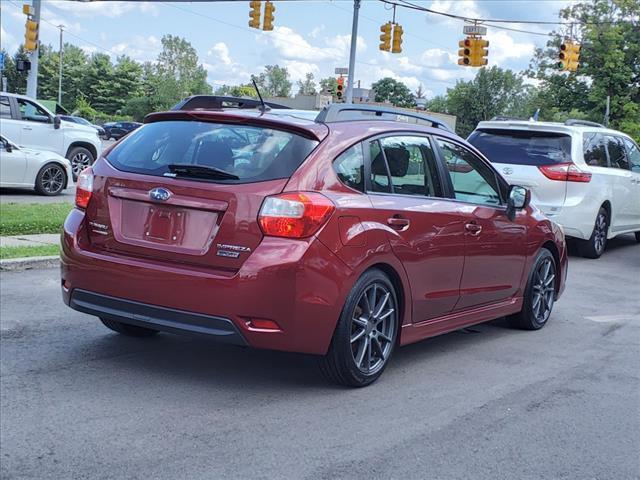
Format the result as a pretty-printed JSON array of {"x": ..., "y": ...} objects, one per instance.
[{"x": 198, "y": 171}]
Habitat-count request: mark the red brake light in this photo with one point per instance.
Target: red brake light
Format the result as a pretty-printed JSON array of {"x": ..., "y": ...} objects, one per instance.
[
  {"x": 565, "y": 172},
  {"x": 84, "y": 188},
  {"x": 294, "y": 215}
]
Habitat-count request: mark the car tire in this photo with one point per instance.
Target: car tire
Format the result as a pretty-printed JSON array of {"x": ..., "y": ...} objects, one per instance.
[
  {"x": 51, "y": 180},
  {"x": 128, "y": 330},
  {"x": 539, "y": 294},
  {"x": 594, "y": 247},
  {"x": 80, "y": 159},
  {"x": 366, "y": 334}
]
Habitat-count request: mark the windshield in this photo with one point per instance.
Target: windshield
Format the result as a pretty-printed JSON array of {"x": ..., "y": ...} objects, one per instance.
[
  {"x": 250, "y": 153},
  {"x": 522, "y": 147}
]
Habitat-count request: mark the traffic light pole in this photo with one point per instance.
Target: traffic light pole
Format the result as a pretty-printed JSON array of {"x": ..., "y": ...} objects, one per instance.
[
  {"x": 32, "y": 78},
  {"x": 352, "y": 53}
]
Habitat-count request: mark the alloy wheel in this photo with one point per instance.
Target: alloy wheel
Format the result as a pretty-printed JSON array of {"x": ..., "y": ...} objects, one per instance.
[
  {"x": 52, "y": 179},
  {"x": 544, "y": 290},
  {"x": 600, "y": 233},
  {"x": 373, "y": 328},
  {"x": 79, "y": 162}
]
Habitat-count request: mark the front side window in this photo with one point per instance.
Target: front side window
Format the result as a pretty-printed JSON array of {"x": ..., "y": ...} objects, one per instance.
[
  {"x": 349, "y": 167},
  {"x": 594, "y": 150},
  {"x": 634, "y": 154},
  {"x": 617, "y": 153},
  {"x": 5, "y": 107},
  {"x": 31, "y": 112},
  {"x": 244, "y": 153},
  {"x": 473, "y": 181}
]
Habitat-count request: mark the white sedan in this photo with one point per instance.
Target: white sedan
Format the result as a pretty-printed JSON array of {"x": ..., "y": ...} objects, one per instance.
[{"x": 46, "y": 172}]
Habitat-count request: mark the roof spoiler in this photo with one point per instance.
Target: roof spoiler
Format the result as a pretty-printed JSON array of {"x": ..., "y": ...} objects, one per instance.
[
  {"x": 587, "y": 123},
  {"x": 215, "y": 102}
]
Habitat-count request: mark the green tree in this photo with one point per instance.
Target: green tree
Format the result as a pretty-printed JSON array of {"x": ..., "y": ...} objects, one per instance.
[
  {"x": 274, "y": 81},
  {"x": 97, "y": 84},
  {"x": 246, "y": 90},
  {"x": 178, "y": 69},
  {"x": 307, "y": 86},
  {"x": 328, "y": 84},
  {"x": 394, "y": 92}
]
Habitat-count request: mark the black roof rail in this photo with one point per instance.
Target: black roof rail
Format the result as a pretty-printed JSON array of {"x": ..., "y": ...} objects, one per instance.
[
  {"x": 506, "y": 118},
  {"x": 573, "y": 121},
  {"x": 215, "y": 102},
  {"x": 349, "y": 112}
]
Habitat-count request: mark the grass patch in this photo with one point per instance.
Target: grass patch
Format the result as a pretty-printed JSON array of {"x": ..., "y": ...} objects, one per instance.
[
  {"x": 22, "y": 252},
  {"x": 24, "y": 219}
]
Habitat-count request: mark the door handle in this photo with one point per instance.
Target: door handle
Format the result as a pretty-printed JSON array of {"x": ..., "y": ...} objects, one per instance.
[
  {"x": 399, "y": 223},
  {"x": 473, "y": 228},
  {"x": 27, "y": 128}
]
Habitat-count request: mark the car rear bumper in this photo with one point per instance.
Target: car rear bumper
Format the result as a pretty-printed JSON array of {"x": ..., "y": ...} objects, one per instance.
[{"x": 299, "y": 284}]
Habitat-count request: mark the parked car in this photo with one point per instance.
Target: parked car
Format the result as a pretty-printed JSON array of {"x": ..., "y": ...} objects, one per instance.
[
  {"x": 582, "y": 176},
  {"x": 46, "y": 172},
  {"x": 83, "y": 121},
  {"x": 31, "y": 125},
  {"x": 117, "y": 130},
  {"x": 344, "y": 236}
]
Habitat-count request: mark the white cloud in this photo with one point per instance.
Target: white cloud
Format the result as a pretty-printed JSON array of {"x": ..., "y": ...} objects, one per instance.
[
  {"x": 502, "y": 47},
  {"x": 464, "y": 8},
  {"x": 436, "y": 57},
  {"x": 220, "y": 51},
  {"x": 103, "y": 9},
  {"x": 222, "y": 69},
  {"x": 8, "y": 42},
  {"x": 317, "y": 31},
  {"x": 298, "y": 70}
]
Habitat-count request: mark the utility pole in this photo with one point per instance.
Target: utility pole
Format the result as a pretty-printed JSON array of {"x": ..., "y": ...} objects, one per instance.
[
  {"x": 352, "y": 53},
  {"x": 32, "y": 78},
  {"x": 61, "y": 27}
]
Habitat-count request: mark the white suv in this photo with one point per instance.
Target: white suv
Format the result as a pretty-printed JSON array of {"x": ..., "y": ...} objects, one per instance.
[
  {"x": 31, "y": 125},
  {"x": 582, "y": 176}
]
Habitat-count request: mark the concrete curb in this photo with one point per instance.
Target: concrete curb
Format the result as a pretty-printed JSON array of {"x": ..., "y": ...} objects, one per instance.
[{"x": 29, "y": 263}]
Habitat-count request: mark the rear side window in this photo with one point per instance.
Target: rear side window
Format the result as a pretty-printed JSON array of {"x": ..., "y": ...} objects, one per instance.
[
  {"x": 522, "y": 147},
  {"x": 617, "y": 153},
  {"x": 634, "y": 155},
  {"x": 5, "y": 107},
  {"x": 251, "y": 153},
  {"x": 594, "y": 150},
  {"x": 349, "y": 167}
]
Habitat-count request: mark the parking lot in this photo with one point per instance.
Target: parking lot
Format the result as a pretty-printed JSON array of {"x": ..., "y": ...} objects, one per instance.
[{"x": 488, "y": 402}]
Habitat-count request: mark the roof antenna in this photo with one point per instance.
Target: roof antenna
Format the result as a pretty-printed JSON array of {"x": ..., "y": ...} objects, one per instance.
[{"x": 264, "y": 107}]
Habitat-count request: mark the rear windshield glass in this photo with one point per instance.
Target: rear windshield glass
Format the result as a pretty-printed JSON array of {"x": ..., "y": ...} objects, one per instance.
[
  {"x": 253, "y": 154},
  {"x": 522, "y": 147}
]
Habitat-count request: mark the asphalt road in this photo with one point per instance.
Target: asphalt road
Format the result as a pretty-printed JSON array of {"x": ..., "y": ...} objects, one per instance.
[{"x": 487, "y": 403}]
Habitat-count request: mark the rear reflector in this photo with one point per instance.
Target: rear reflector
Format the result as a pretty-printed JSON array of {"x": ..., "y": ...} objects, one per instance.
[
  {"x": 565, "y": 172},
  {"x": 84, "y": 188},
  {"x": 294, "y": 215},
  {"x": 263, "y": 324}
]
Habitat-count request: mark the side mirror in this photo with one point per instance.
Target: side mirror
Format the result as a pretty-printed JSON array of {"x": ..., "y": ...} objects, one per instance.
[
  {"x": 519, "y": 199},
  {"x": 56, "y": 122}
]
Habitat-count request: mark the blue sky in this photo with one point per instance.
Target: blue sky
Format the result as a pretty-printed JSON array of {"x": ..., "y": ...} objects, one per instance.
[{"x": 309, "y": 36}]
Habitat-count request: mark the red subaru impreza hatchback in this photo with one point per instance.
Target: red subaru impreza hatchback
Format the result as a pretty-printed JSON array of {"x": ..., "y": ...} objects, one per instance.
[{"x": 343, "y": 235}]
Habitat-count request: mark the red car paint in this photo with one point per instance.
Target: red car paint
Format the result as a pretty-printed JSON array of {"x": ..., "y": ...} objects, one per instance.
[{"x": 287, "y": 294}]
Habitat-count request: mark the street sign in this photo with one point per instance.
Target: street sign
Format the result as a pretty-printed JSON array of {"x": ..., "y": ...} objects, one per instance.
[
  {"x": 474, "y": 30},
  {"x": 342, "y": 71}
]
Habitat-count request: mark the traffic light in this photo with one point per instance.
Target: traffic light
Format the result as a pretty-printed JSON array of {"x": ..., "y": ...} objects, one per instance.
[
  {"x": 479, "y": 52},
  {"x": 385, "y": 38},
  {"x": 464, "y": 54},
  {"x": 340, "y": 88},
  {"x": 254, "y": 13},
  {"x": 397, "y": 39},
  {"x": 569, "y": 56},
  {"x": 31, "y": 36},
  {"x": 269, "y": 8}
]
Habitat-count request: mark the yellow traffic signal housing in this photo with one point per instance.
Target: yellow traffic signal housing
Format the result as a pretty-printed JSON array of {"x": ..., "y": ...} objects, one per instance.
[
  {"x": 254, "y": 13},
  {"x": 479, "y": 52},
  {"x": 269, "y": 8},
  {"x": 385, "y": 38},
  {"x": 464, "y": 54},
  {"x": 569, "y": 56},
  {"x": 397, "y": 39},
  {"x": 31, "y": 36},
  {"x": 340, "y": 88}
]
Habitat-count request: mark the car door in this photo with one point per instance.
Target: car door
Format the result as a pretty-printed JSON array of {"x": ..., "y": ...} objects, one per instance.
[
  {"x": 37, "y": 127},
  {"x": 623, "y": 183},
  {"x": 633, "y": 154},
  {"x": 10, "y": 125},
  {"x": 495, "y": 247},
  {"x": 13, "y": 164},
  {"x": 424, "y": 229}
]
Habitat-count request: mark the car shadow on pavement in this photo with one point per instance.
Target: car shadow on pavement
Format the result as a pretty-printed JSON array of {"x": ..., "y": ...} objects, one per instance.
[{"x": 626, "y": 241}]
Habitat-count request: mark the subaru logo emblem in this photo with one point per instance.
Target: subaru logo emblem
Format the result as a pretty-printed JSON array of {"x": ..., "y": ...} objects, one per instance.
[
  {"x": 159, "y": 194},
  {"x": 507, "y": 170}
]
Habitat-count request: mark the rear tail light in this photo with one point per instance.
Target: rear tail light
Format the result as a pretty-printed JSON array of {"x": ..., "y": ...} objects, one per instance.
[
  {"x": 565, "y": 172},
  {"x": 294, "y": 215},
  {"x": 84, "y": 188}
]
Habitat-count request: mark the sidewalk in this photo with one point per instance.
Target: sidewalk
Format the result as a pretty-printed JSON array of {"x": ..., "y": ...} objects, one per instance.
[{"x": 30, "y": 240}]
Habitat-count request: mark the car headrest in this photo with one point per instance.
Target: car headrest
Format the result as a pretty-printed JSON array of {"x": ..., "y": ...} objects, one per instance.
[
  {"x": 215, "y": 154},
  {"x": 398, "y": 159}
]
